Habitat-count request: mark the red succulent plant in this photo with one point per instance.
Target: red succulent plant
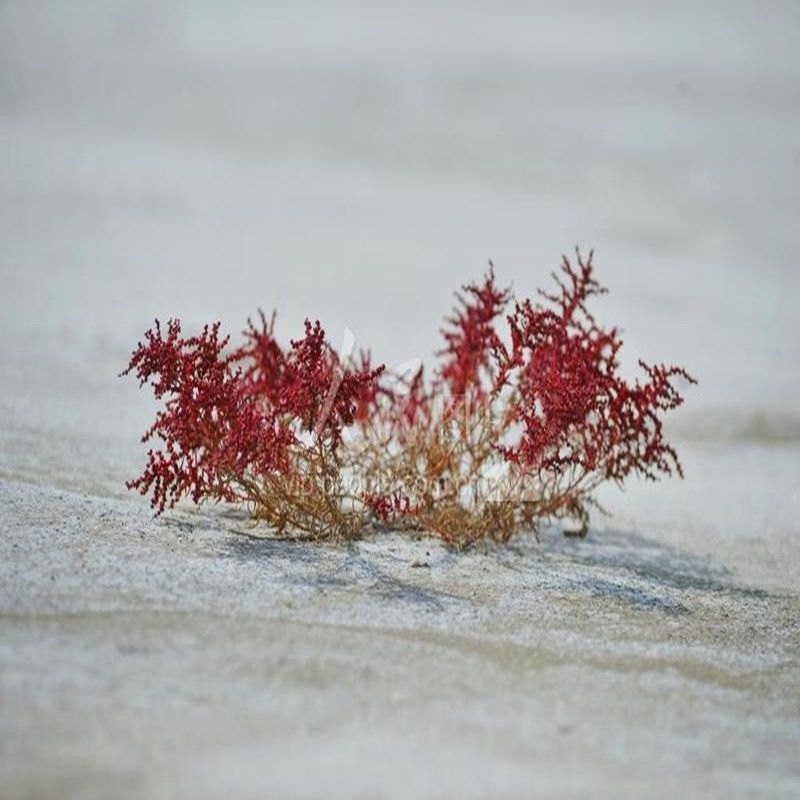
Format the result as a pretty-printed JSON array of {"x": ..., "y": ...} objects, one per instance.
[{"x": 524, "y": 418}]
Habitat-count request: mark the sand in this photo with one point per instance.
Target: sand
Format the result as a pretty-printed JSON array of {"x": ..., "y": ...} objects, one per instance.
[
  {"x": 183, "y": 658},
  {"x": 358, "y": 162}
]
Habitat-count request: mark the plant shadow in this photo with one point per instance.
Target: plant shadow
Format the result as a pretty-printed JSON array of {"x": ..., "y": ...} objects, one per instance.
[
  {"x": 325, "y": 565},
  {"x": 656, "y": 562},
  {"x": 617, "y": 563}
]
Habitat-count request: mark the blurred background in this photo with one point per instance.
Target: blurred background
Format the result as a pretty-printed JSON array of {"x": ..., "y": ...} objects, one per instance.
[{"x": 358, "y": 161}]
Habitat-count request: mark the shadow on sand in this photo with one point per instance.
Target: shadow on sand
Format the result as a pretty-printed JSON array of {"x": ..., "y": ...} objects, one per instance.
[
  {"x": 656, "y": 562},
  {"x": 612, "y": 563}
]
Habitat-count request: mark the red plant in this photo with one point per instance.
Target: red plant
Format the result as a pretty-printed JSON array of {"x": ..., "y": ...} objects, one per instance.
[
  {"x": 576, "y": 409},
  {"x": 470, "y": 337},
  {"x": 213, "y": 433},
  {"x": 508, "y": 433}
]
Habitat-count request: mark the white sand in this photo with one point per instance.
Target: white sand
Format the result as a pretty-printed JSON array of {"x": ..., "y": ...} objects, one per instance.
[{"x": 358, "y": 162}]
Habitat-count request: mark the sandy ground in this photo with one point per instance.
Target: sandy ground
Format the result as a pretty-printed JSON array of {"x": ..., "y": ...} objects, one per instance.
[
  {"x": 181, "y": 658},
  {"x": 358, "y": 161}
]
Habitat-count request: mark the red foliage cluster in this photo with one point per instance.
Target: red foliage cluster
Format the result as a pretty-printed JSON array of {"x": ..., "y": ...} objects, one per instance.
[
  {"x": 307, "y": 382},
  {"x": 389, "y": 507},
  {"x": 470, "y": 337},
  {"x": 223, "y": 424},
  {"x": 543, "y": 400},
  {"x": 575, "y": 407},
  {"x": 212, "y": 432}
]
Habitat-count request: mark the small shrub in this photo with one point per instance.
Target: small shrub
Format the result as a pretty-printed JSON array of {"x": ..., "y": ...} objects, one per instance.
[{"x": 518, "y": 424}]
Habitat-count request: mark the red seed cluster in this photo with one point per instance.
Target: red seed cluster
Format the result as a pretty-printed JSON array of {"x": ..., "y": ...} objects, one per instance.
[
  {"x": 212, "y": 432},
  {"x": 575, "y": 407},
  {"x": 389, "y": 507},
  {"x": 329, "y": 446},
  {"x": 470, "y": 337}
]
